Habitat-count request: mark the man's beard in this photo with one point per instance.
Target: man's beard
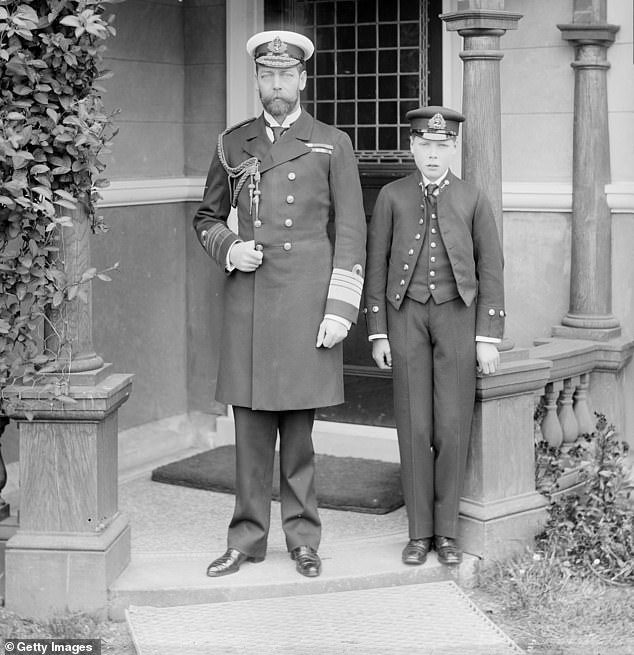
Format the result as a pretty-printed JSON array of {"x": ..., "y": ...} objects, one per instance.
[{"x": 277, "y": 106}]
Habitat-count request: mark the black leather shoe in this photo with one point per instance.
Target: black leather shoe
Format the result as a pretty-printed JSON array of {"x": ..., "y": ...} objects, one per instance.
[
  {"x": 307, "y": 561},
  {"x": 448, "y": 551},
  {"x": 229, "y": 563},
  {"x": 416, "y": 551}
]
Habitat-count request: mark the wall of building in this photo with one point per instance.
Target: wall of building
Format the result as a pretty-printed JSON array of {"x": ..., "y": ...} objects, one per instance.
[{"x": 158, "y": 318}]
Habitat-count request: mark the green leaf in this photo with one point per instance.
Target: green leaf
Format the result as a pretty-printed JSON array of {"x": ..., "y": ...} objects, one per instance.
[
  {"x": 64, "y": 194},
  {"x": 88, "y": 275}
]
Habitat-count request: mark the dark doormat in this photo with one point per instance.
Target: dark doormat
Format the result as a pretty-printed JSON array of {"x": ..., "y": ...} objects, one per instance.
[{"x": 346, "y": 483}]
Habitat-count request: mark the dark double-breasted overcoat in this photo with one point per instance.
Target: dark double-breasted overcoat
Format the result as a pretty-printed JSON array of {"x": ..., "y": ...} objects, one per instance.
[{"x": 285, "y": 194}]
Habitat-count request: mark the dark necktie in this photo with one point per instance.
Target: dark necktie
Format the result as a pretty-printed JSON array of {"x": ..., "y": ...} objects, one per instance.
[
  {"x": 431, "y": 190},
  {"x": 278, "y": 130}
]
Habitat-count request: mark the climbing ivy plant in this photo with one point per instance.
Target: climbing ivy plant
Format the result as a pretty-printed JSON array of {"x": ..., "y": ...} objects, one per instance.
[{"x": 54, "y": 132}]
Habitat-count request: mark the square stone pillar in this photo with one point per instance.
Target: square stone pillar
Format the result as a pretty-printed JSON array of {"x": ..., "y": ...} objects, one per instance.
[
  {"x": 500, "y": 510},
  {"x": 72, "y": 541}
]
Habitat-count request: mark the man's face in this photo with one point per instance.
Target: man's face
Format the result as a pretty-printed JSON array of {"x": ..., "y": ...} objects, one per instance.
[
  {"x": 279, "y": 89},
  {"x": 432, "y": 157}
]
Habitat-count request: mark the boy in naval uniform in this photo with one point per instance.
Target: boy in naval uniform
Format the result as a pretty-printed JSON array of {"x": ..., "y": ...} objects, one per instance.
[{"x": 435, "y": 310}]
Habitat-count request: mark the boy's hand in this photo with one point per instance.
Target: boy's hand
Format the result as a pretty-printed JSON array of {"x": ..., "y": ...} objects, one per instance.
[
  {"x": 381, "y": 353},
  {"x": 488, "y": 357}
]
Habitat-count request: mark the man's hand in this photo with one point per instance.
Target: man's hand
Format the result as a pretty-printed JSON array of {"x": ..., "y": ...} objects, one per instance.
[
  {"x": 381, "y": 353},
  {"x": 330, "y": 333},
  {"x": 244, "y": 256},
  {"x": 488, "y": 357}
]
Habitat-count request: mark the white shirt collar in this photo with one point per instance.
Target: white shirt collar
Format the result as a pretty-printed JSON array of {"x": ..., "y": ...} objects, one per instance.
[
  {"x": 439, "y": 181},
  {"x": 288, "y": 121}
]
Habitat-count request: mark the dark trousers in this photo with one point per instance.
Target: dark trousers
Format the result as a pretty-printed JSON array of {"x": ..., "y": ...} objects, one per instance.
[
  {"x": 256, "y": 436},
  {"x": 434, "y": 372}
]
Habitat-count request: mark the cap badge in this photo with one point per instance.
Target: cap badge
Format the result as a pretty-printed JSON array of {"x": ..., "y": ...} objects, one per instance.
[
  {"x": 437, "y": 122},
  {"x": 277, "y": 46}
]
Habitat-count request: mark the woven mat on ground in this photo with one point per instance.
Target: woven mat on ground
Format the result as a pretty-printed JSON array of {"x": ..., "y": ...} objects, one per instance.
[
  {"x": 436, "y": 618},
  {"x": 345, "y": 483}
]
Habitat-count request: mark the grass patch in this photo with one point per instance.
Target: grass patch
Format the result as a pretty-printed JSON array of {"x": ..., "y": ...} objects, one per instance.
[
  {"x": 548, "y": 612},
  {"x": 115, "y": 637}
]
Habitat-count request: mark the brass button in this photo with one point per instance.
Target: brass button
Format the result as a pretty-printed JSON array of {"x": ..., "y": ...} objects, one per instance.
[
  {"x": 421, "y": 221},
  {"x": 502, "y": 314},
  {"x": 375, "y": 309},
  {"x": 434, "y": 230},
  {"x": 259, "y": 247},
  {"x": 402, "y": 283},
  {"x": 417, "y": 237},
  {"x": 406, "y": 267},
  {"x": 432, "y": 260},
  {"x": 491, "y": 312},
  {"x": 288, "y": 222},
  {"x": 365, "y": 310},
  {"x": 257, "y": 223},
  {"x": 433, "y": 244},
  {"x": 398, "y": 296},
  {"x": 290, "y": 199},
  {"x": 432, "y": 273},
  {"x": 433, "y": 215},
  {"x": 287, "y": 246},
  {"x": 410, "y": 251},
  {"x": 432, "y": 286},
  {"x": 291, "y": 176}
]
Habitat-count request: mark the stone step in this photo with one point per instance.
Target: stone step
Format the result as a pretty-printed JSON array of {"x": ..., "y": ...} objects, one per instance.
[{"x": 175, "y": 579}]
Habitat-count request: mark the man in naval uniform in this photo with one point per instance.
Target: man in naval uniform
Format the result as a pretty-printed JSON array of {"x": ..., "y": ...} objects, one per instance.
[
  {"x": 435, "y": 310},
  {"x": 291, "y": 294}
]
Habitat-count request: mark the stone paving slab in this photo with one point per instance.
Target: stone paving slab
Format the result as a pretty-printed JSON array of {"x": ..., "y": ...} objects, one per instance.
[{"x": 430, "y": 619}]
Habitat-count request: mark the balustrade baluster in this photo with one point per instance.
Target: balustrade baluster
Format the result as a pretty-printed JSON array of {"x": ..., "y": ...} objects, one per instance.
[
  {"x": 567, "y": 418},
  {"x": 581, "y": 408},
  {"x": 551, "y": 427}
]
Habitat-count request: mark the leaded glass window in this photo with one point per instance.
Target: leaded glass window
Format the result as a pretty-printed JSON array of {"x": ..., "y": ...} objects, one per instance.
[{"x": 369, "y": 68}]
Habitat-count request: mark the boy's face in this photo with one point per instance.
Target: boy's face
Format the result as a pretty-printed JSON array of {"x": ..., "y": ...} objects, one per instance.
[{"x": 432, "y": 157}]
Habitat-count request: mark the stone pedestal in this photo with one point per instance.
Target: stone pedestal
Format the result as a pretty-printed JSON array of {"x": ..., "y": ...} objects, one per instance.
[
  {"x": 72, "y": 541},
  {"x": 500, "y": 510}
]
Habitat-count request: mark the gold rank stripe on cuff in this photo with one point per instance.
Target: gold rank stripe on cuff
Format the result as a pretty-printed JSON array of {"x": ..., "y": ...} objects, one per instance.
[
  {"x": 345, "y": 286},
  {"x": 214, "y": 238},
  {"x": 321, "y": 147}
]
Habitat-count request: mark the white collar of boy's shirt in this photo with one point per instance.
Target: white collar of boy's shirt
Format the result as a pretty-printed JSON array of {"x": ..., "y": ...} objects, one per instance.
[
  {"x": 438, "y": 181},
  {"x": 288, "y": 121}
]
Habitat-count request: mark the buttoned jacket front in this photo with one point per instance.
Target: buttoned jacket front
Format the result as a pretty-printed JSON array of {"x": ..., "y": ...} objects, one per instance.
[
  {"x": 308, "y": 179},
  {"x": 467, "y": 227}
]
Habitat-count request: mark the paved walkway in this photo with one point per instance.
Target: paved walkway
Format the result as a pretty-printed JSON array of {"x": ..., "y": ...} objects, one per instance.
[{"x": 365, "y": 601}]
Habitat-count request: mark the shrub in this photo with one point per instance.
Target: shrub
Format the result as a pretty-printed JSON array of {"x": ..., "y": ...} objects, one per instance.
[
  {"x": 53, "y": 134},
  {"x": 591, "y": 531}
]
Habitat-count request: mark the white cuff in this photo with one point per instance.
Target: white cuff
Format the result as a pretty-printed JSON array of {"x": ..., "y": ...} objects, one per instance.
[
  {"x": 488, "y": 339},
  {"x": 339, "y": 319},
  {"x": 373, "y": 337}
]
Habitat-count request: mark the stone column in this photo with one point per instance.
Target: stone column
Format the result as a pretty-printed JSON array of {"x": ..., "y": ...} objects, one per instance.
[
  {"x": 72, "y": 542},
  {"x": 590, "y": 314},
  {"x": 481, "y": 23}
]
